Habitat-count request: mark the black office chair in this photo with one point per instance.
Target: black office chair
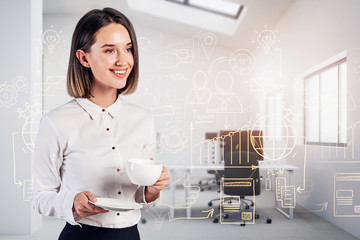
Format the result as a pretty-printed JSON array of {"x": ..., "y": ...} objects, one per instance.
[
  {"x": 240, "y": 140},
  {"x": 241, "y": 178},
  {"x": 234, "y": 141}
]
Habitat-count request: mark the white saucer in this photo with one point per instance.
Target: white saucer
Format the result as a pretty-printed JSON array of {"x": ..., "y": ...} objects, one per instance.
[{"x": 118, "y": 205}]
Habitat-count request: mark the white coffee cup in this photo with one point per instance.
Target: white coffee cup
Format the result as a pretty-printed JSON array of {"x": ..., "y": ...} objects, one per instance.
[{"x": 143, "y": 172}]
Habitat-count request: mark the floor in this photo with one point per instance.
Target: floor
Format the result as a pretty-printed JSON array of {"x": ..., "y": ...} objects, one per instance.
[{"x": 159, "y": 226}]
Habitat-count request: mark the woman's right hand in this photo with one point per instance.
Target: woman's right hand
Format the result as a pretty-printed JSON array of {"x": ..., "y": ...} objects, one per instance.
[{"x": 83, "y": 207}]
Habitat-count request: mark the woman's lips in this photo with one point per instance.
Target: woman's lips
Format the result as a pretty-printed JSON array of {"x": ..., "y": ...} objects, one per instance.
[{"x": 119, "y": 73}]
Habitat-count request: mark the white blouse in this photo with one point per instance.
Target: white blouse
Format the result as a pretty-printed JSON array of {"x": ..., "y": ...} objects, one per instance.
[{"x": 83, "y": 147}]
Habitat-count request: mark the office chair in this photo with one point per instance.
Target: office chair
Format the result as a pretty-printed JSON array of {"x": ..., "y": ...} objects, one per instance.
[
  {"x": 241, "y": 178},
  {"x": 239, "y": 140}
]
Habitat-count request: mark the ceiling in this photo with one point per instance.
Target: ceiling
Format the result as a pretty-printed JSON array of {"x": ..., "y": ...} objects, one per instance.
[{"x": 177, "y": 19}]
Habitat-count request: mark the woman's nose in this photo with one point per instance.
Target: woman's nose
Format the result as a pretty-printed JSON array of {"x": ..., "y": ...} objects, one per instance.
[{"x": 120, "y": 60}]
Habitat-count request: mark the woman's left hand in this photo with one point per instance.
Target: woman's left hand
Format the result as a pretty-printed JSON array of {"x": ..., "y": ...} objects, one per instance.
[{"x": 152, "y": 192}]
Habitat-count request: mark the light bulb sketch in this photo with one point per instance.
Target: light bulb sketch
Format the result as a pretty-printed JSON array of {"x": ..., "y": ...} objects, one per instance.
[
  {"x": 266, "y": 39},
  {"x": 51, "y": 38}
]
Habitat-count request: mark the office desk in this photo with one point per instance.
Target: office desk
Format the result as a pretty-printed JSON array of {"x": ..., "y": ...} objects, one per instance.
[
  {"x": 290, "y": 169},
  {"x": 187, "y": 169}
]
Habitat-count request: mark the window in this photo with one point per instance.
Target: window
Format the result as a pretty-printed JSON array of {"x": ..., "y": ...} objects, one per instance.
[
  {"x": 220, "y": 7},
  {"x": 325, "y": 105}
]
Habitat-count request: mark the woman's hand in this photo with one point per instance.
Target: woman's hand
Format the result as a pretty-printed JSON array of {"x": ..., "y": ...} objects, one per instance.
[
  {"x": 152, "y": 192},
  {"x": 83, "y": 207}
]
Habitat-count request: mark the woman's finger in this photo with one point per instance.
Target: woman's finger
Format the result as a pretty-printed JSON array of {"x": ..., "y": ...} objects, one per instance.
[
  {"x": 83, "y": 207},
  {"x": 90, "y": 210},
  {"x": 90, "y": 196}
]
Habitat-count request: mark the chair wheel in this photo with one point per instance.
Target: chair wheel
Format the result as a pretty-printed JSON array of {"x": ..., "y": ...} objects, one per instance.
[
  {"x": 200, "y": 182},
  {"x": 215, "y": 220},
  {"x": 268, "y": 220},
  {"x": 226, "y": 216},
  {"x": 247, "y": 207},
  {"x": 252, "y": 204},
  {"x": 242, "y": 224},
  {"x": 230, "y": 202},
  {"x": 201, "y": 189},
  {"x": 209, "y": 204},
  {"x": 256, "y": 216},
  {"x": 209, "y": 188},
  {"x": 143, "y": 220}
]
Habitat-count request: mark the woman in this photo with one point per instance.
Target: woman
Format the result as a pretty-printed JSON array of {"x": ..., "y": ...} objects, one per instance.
[{"x": 82, "y": 147}]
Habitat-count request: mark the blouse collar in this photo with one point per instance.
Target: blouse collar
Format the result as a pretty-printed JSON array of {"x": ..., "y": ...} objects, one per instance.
[{"x": 95, "y": 110}]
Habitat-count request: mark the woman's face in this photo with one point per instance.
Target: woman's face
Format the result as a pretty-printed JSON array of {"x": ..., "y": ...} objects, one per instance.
[{"x": 110, "y": 57}]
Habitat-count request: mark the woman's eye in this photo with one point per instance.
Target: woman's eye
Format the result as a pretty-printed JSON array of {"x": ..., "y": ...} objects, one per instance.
[
  {"x": 110, "y": 51},
  {"x": 129, "y": 49}
]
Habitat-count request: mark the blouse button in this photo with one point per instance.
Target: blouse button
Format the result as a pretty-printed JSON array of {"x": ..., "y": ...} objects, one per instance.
[
  {"x": 118, "y": 214},
  {"x": 113, "y": 148},
  {"x": 118, "y": 169},
  {"x": 103, "y": 110},
  {"x": 107, "y": 129},
  {"x": 119, "y": 193}
]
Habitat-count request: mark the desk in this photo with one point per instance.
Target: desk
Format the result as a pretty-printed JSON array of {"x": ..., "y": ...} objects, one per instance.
[{"x": 289, "y": 168}]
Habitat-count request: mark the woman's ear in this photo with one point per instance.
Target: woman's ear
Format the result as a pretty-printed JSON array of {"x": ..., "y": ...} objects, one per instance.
[{"x": 82, "y": 57}]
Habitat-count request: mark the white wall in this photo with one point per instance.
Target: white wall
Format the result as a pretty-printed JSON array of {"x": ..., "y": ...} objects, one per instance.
[
  {"x": 20, "y": 109},
  {"x": 311, "y": 32}
]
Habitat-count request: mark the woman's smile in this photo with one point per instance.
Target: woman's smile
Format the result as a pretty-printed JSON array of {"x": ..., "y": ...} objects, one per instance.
[{"x": 121, "y": 73}]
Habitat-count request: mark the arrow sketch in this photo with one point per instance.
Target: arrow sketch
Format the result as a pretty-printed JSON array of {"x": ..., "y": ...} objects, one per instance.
[
  {"x": 323, "y": 208},
  {"x": 299, "y": 189},
  {"x": 209, "y": 212},
  {"x": 18, "y": 183}
]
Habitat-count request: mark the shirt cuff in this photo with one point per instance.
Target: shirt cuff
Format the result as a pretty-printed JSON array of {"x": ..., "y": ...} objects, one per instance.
[
  {"x": 142, "y": 199},
  {"x": 72, "y": 217}
]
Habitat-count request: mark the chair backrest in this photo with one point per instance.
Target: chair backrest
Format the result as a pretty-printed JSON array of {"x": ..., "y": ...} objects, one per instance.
[
  {"x": 241, "y": 178},
  {"x": 242, "y": 140}
]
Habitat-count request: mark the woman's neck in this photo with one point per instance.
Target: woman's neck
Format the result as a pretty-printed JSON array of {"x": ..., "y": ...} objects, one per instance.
[{"x": 103, "y": 100}]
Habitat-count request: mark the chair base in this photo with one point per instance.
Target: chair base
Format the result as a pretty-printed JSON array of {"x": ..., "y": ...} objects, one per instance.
[{"x": 242, "y": 209}]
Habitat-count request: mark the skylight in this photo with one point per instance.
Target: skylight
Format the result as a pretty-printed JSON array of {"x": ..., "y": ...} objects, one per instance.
[{"x": 220, "y": 7}]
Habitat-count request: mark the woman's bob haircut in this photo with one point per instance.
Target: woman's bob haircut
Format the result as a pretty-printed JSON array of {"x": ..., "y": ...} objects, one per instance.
[{"x": 79, "y": 78}]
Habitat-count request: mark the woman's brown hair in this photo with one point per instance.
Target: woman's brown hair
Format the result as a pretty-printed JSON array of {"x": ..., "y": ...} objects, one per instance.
[{"x": 79, "y": 78}]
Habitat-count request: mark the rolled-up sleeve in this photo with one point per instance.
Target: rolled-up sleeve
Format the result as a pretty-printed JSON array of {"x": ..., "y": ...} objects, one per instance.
[
  {"x": 48, "y": 197},
  {"x": 140, "y": 198}
]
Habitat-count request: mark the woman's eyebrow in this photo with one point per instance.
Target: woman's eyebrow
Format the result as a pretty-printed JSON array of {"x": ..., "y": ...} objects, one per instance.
[
  {"x": 108, "y": 45},
  {"x": 113, "y": 45}
]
